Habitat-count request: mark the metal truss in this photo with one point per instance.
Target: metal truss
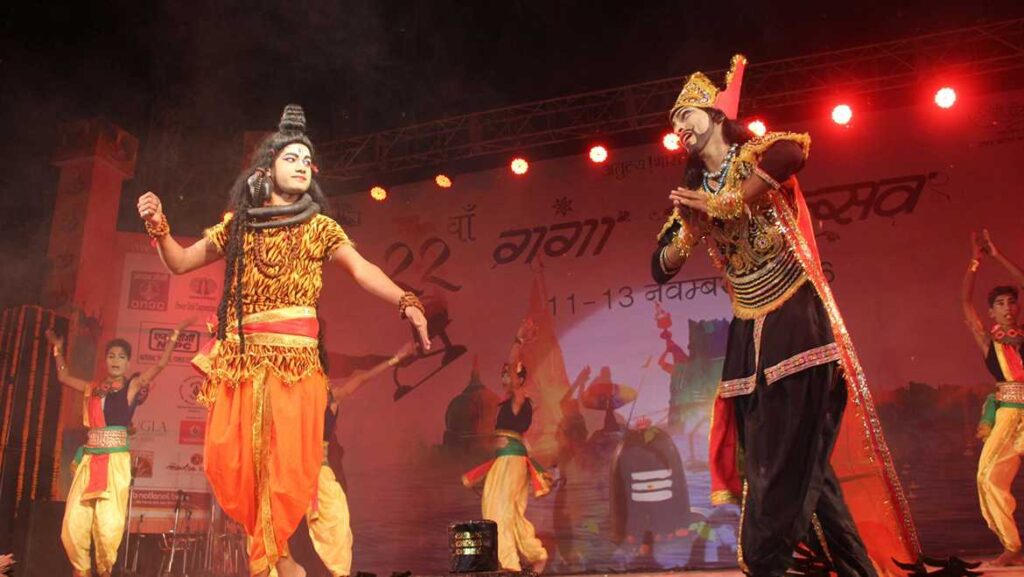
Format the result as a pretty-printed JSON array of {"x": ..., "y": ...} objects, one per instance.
[{"x": 975, "y": 51}]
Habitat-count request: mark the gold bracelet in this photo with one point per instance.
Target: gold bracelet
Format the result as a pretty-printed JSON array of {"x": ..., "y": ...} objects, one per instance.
[
  {"x": 975, "y": 263},
  {"x": 663, "y": 262},
  {"x": 394, "y": 361},
  {"x": 726, "y": 205},
  {"x": 175, "y": 335},
  {"x": 409, "y": 300},
  {"x": 56, "y": 352},
  {"x": 684, "y": 240},
  {"x": 158, "y": 230}
]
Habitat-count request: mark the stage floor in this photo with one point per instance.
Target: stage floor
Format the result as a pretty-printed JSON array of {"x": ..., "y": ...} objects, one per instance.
[{"x": 996, "y": 571}]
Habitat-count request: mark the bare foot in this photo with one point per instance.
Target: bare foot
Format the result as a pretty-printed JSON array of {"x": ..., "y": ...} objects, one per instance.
[
  {"x": 1008, "y": 559},
  {"x": 287, "y": 567}
]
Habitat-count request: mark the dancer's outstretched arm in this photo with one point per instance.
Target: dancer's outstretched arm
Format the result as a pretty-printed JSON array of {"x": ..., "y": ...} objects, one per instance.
[
  {"x": 147, "y": 376},
  {"x": 989, "y": 247},
  {"x": 177, "y": 259},
  {"x": 63, "y": 374},
  {"x": 352, "y": 384},
  {"x": 373, "y": 280},
  {"x": 971, "y": 317}
]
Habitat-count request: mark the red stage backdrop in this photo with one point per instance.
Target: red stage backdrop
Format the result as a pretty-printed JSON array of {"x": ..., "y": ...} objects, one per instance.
[{"x": 894, "y": 197}]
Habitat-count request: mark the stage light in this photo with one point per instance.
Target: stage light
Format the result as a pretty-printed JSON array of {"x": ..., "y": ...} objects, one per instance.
[
  {"x": 378, "y": 193},
  {"x": 842, "y": 114},
  {"x": 670, "y": 141},
  {"x": 757, "y": 127},
  {"x": 945, "y": 97},
  {"x": 443, "y": 181},
  {"x": 519, "y": 166},
  {"x": 598, "y": 154}
]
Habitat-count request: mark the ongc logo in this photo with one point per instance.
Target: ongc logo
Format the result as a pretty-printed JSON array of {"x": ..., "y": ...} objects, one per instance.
[{"x": 148, "y": 291}]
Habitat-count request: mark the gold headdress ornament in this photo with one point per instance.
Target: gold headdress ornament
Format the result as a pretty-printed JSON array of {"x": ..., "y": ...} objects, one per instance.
[{"x": 699, "y": 91}]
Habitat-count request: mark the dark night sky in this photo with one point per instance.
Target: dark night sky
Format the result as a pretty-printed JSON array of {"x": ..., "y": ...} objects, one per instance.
[{"x": 188, "y": 76}]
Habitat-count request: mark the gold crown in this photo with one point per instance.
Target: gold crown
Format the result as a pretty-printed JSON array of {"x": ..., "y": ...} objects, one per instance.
[{"x": 699, "y": 91}]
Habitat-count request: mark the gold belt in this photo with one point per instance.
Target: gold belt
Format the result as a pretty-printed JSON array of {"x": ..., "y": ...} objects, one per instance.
[
  {"x": 765, "y": 290},
  {"x": 1011, "y": 392},
  {"x": 508, "y": 434},
  {"x": 106, "y": 439}
]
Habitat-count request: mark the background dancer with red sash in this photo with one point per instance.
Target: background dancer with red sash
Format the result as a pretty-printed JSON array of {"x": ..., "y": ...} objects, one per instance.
[
  {"x": 97, "y": 503},
  {"x": 1002, "y": 421},
  {"x": 512, "y": 476}
]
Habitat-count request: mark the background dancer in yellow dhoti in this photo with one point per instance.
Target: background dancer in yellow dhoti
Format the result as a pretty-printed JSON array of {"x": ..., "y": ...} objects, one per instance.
[
  {"x": 95, "y": 512},
  {"x": 328, "y": 518},
  {"x": 1002, "y": 421},
  {"x": 511, "y": 474}
]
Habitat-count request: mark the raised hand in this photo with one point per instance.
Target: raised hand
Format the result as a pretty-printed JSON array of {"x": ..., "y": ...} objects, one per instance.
[
  {"x": 695, "y": 199},
  {"x": 977, "y": 251},
  {"x": 186, "y": 323},
  {"x": 55, "y": 340},
  {"x": 150, "y": 208},
  {"x": 987, "y": 245}
]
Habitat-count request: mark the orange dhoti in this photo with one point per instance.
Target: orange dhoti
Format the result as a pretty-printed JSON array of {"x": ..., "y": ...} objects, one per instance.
[{"x": 263, "y": 436}]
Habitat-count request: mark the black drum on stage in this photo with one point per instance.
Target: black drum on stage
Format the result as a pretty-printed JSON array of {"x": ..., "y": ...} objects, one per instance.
[{"x": 473, "y": 546}]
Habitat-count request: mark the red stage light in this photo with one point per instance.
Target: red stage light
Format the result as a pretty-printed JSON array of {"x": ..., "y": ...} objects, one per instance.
[
  {"x": 519, "y": 166},
  {"x": 671, "y": 141},
  {"x": 757, "y": 127},
  {"x": 443, "y": 181},
  {"x": 842, "y": 114},
  {"x": 598, "y": 154},
  {"x": 378, "y": 193},
  {"x": 945, "y": 97}
]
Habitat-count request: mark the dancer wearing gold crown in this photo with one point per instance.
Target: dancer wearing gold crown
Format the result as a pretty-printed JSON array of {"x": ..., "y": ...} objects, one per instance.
[
  {"x": 1003, "y": 413},
  {"x": 790, "y": 367},
  {"x": 264, "y": 386}
]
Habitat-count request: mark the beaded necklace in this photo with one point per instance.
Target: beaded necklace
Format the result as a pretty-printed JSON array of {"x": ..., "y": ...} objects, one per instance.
[{"x": 719, "y": 175}]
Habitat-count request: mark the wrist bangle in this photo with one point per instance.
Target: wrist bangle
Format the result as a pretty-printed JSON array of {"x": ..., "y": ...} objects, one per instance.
[
  {"x": 158, "y": 230},
  {"x": 409, "y": 300},
  {"x": 663, "y": 261},
  {"x": 975, "y": 263},
  {"x": 394, "y": 361},
  {"x": 175, "y": 335}
]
